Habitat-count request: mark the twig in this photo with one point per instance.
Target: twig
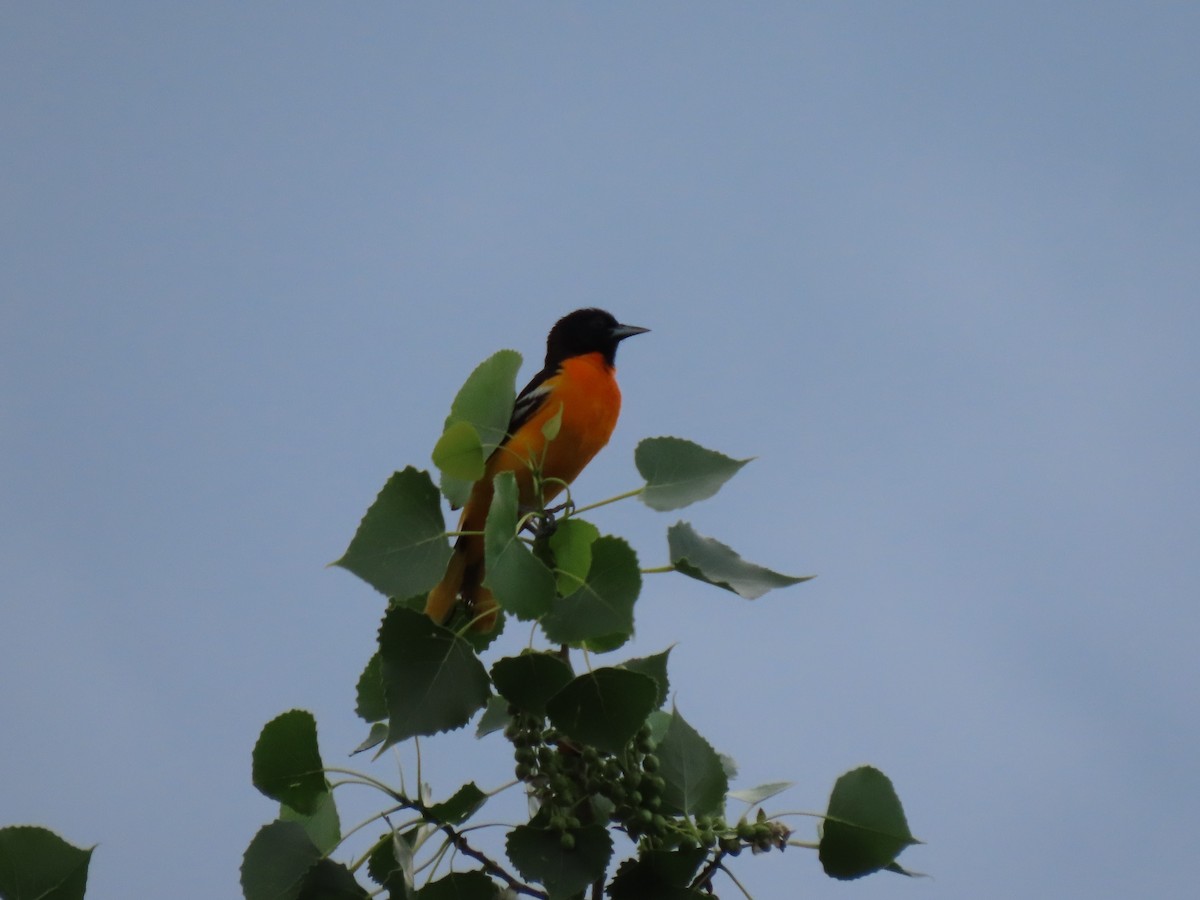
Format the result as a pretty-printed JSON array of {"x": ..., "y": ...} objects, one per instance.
[
  {"x": 704, "y": 879},
  {"x": 490, "y": 866},
  {"x": 459, "y": 842}
]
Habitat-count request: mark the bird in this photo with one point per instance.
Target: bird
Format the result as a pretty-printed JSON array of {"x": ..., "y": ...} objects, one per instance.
[{"x": 578, "y": 378}]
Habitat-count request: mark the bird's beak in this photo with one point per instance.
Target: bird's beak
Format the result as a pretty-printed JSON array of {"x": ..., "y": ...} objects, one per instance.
[{"x": 620, "y": 332}]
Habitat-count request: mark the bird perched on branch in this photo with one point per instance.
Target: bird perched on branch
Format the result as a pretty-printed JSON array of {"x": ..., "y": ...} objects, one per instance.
[{"x": 578, "y": 378}]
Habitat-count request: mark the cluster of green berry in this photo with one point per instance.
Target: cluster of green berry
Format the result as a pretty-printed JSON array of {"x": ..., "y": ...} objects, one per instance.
[
  {"x": 577, "y": 785},
  {"x": 760, "y": 836},
  {"x": 580, "y": 785}
]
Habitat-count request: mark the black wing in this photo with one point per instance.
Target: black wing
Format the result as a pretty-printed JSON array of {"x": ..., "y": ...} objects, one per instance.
[{"x": 529, "y": 401}]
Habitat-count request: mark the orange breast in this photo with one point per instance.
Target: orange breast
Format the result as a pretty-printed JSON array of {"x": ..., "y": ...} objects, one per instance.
[{"x": 586, "y": 390}]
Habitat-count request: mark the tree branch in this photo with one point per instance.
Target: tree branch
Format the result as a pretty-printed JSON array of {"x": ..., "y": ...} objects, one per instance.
[
  {"x": 459, "y": 842},
  {"x": 703, "y": 881}
]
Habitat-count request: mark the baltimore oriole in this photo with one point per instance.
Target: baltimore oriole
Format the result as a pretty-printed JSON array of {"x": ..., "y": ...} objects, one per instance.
[{"x": 578, "y": 378}]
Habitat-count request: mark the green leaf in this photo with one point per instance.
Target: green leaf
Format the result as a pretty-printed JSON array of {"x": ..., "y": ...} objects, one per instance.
[
  {"x": 603, "y": 709},
  {"x": 371, "y": 705},
  {"x": 36, "y": 864},
  {"x": 712, "y": 562},
  {"x": 377, "y": 735},
  {"x": 520, "y": 582},
  {"x": 460, "y": 886},
  {"x": 661, "y": 874},
  {"x": 322, "y": 824},
  {"x": 277, "y": 861},
  {"x": 328, "y": 880},
  {"x": 656, "y": 667},
  {"x": 459, "y": 452},
  {"x": 485, "y": 403},
  {"x": 729, "y": 764},
  {"x": 756, "y": 795},
  {"x": 479, "y": 640},
  {"x": 659, "y": 721},
  {"x": 416, "y": 602},
  {"x": 495, "y": 717},
  {"x": 432, "y": 679},
  {"x": 529, "y": 680},
  {"x": 287, "y": 764},
  {"x": 696, "y": 779},
  {"x": 900, "y": 870},
  {"x": 387, "y": 871},
  {"x": 400, "y": 548},
  {"x": 465, "y": 803},
  {"x": 679, "y": 473},
  {"x": 571, "y": 544},
  {"x": 865, "y": 828},
  {"x": 599, "y": 616},
  {"x": 539, "y": 856},
  {"x": 553, "y": 424}
]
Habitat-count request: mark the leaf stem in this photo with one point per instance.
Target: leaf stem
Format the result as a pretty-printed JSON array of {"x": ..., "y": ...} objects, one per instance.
[
  {"x": 808, "y": 845},
  {"x": 504, "y": 787},
  {"x": 658, "y": 569},
  {"x": 740, "y": 887},
  {"x": 599, "y": 503},
  {"x": 365, "y": 823},
  {"x": 360, "y": 778},
  {"x": 420, "y": 783}
]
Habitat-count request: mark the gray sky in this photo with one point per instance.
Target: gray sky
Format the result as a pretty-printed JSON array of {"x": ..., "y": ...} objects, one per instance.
[{"x": 935, "y": 265}]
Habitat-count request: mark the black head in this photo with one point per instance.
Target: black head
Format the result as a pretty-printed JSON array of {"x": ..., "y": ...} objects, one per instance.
[{"x": 587, "y": 331}]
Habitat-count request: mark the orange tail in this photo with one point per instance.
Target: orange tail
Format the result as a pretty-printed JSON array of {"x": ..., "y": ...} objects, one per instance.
[
  {"x": 464, "y": 574},
  {"x": 440, "y": 602}
]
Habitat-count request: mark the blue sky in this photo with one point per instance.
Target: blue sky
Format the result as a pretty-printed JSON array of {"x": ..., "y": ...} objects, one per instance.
[{"x": 934, "y": 265}]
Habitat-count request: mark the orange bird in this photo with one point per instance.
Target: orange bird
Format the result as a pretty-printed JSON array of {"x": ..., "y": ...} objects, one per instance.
[{"x": 579, "y": 378}]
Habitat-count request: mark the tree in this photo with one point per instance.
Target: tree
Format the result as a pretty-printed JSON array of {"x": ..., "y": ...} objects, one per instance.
[{"x": 627, "y": 798}]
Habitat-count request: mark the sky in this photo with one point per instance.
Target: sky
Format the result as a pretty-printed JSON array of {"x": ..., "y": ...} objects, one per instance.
[{"x": 933, "y": 265}]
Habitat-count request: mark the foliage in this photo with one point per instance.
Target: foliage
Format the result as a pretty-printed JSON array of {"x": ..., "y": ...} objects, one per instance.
[
  {"x": 595, "y": 751},
  {"x": 36, "y": 864},
  {"x": 626, "y": 797}
]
